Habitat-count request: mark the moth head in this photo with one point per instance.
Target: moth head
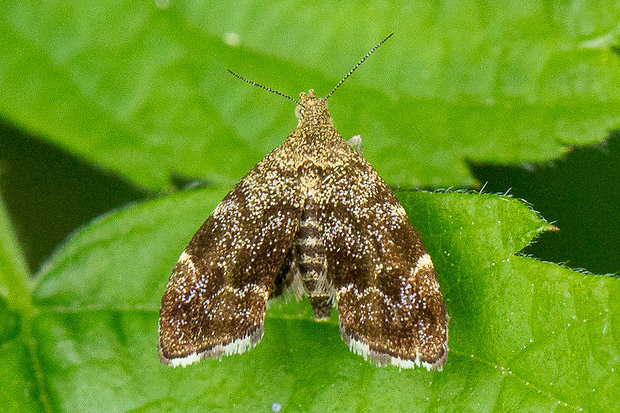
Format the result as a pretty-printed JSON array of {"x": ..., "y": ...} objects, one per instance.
[{"x": 312, "y": 110}]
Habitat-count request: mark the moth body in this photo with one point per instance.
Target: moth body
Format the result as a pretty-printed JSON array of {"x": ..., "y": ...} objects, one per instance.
[{"x": 313, "y": 216}]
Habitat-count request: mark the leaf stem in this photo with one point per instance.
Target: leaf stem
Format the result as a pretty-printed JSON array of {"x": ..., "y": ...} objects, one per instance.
[
  {"x": 16, "y": 286},
  {"x": 15, "y": 282}
]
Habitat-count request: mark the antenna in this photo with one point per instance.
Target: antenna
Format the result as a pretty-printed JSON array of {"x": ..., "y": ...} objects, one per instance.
[
  {"x": 261, "y": 86},
  {"x": 330, "y": 93},
  {"x": 357, "y": 65}
]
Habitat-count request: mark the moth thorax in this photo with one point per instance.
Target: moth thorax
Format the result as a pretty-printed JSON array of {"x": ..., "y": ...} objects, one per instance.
[
  {"x": 312, "y": 262},
  {"x": 309, "y": 176}
]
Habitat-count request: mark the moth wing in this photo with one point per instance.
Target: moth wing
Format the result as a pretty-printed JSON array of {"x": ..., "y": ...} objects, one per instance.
[
  {"x": 390, "y": 306},
  {"x": 214, "y": 303}
]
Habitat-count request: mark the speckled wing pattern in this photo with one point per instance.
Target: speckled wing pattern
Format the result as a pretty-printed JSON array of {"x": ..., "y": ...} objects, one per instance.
[
  {"x": 214, "y": 303},
  {"x": 314, "y": 216},
  {"x": 390, "y": 306}
]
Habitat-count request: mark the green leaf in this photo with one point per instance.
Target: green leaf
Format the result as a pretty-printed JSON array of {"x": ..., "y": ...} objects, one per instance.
[
  {"x": 524, "y": 334},
  {"x": 20, "y": 386},
  {"x": 144, "y": 91}
]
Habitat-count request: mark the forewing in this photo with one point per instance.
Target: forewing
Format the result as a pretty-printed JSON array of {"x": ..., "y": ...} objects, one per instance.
[
  {"x": 390, "y": 307},
  {"x": 214, "y": 303}
]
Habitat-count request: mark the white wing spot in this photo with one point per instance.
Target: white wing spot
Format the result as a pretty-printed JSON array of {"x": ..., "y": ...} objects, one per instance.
[
  {"x": 184, "y": 257},
  {"x": 423, "y": 261}
]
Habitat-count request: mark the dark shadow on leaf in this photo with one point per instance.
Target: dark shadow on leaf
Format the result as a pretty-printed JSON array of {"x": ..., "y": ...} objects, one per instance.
[{"x": 579, "y": 193}]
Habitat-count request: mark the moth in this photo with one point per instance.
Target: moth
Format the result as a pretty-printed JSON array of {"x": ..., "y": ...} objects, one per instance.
[{"x": 314, "y": 217}]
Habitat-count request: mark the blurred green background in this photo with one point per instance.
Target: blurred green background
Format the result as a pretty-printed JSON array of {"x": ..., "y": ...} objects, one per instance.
[{"x": 113, "y": 112}]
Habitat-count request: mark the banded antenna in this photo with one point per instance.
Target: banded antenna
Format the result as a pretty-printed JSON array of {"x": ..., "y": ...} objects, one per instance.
[{"x": 335, "y": 87}]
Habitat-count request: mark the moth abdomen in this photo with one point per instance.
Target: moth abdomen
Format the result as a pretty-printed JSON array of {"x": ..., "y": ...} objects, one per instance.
[{"x": 312, "y": 261}]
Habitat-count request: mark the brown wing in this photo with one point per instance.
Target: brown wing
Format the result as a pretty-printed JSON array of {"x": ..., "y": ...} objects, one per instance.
[
  {"x": 214, "y": 303},
  {"x": 390, "y": 307}
]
